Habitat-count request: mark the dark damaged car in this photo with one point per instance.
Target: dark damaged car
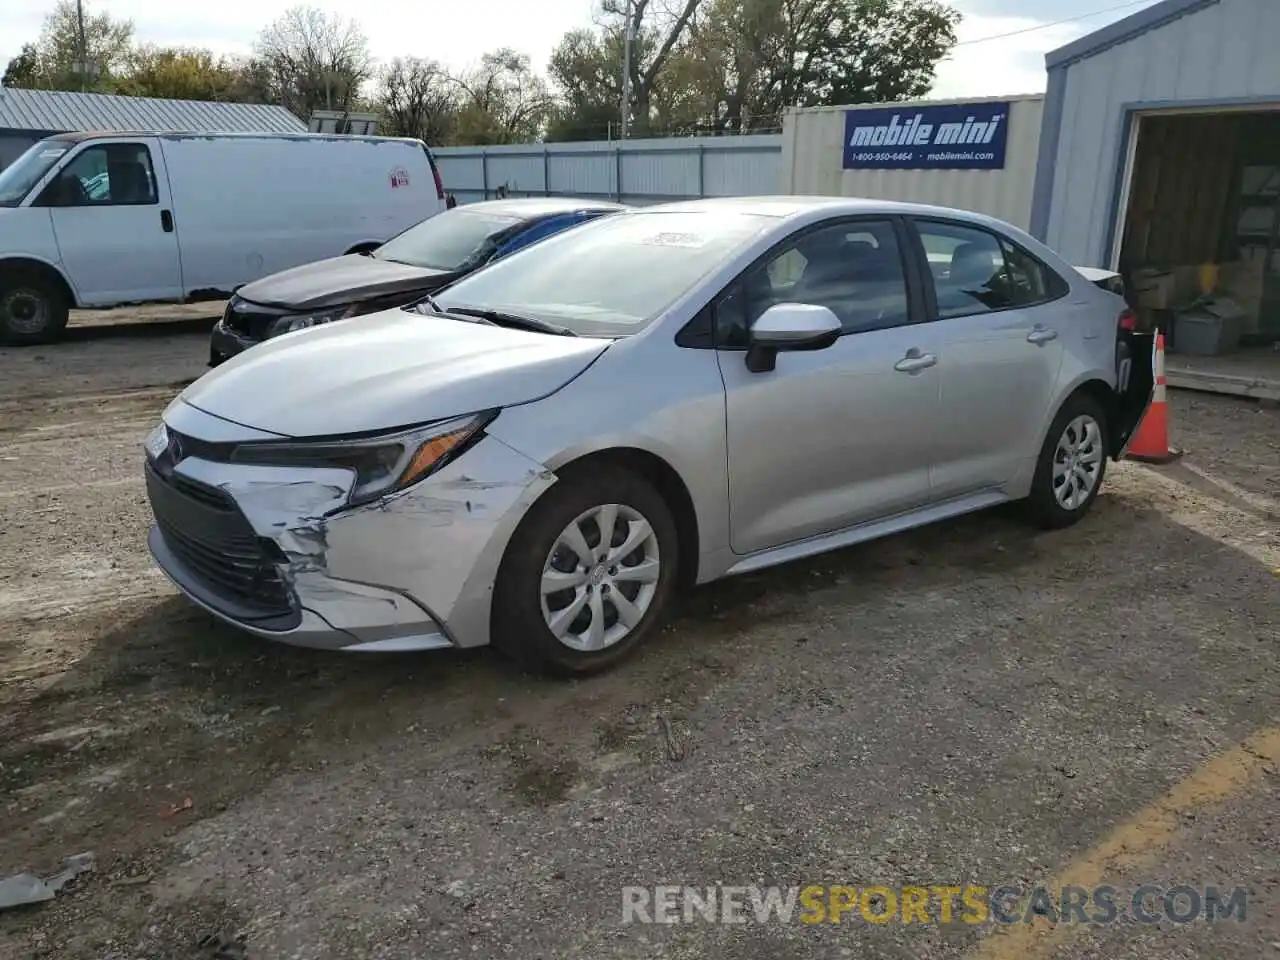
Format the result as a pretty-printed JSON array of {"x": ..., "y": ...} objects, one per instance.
[{"x": 420, "y": 261}]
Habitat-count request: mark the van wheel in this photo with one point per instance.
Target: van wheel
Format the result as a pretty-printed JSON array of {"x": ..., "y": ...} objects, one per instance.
[
  {"x": 32, "y": 308},
  {"x": 588, "y": 575},
  {"x": 1072, "y": 464}
]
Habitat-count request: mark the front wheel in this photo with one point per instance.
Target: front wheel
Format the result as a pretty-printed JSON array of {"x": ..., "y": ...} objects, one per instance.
[
  {"x": 32, "y": 309},
  {"x": 1072, "y": 463},
  {"x": 588, "y": 574}
]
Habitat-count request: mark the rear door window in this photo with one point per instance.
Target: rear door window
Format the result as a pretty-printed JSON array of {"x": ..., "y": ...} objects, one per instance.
[{"x": 977, "y": 271}]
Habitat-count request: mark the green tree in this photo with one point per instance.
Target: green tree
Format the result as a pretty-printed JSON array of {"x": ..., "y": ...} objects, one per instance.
[
  {"x": 55, "y": 61},
  {"x": 24, "y": 69},
  {"x": 180, "y": 74},
  {"x": 734, "y": 66},
  {"x": 761, "y": 56},
  {"x": 587, "y": 67}
]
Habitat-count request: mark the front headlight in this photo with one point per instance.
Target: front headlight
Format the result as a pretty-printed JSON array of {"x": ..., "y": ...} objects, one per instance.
[
  {"x": 157, "y": 441},
  {"x": 381, "y": 465},
  {"x": 290, "y": 324}
]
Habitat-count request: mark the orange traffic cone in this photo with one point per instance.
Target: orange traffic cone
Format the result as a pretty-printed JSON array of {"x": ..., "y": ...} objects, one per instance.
[{"x": 1150, "y": 443}]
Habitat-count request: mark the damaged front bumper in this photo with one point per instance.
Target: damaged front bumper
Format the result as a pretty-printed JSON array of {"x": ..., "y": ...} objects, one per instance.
[
  {"x": 275, "y": 551},
  {"x": 226, "y": 342}
]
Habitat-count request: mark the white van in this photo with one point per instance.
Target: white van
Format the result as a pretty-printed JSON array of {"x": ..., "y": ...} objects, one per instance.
[{"x": 96, "y": 220}]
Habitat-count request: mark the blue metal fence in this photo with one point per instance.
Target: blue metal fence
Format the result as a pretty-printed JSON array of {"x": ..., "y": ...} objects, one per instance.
[{"x": 630, "y": 171}]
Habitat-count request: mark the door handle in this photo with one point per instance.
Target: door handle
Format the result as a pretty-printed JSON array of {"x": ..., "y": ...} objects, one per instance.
[
  {"x": 1042, "y": 335},
  {"x": 166, "y": 221},
  {"x": 915, "y": 361}
]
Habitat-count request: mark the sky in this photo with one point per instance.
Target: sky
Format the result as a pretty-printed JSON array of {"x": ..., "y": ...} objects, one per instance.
[{"x": 457, "y": 34}]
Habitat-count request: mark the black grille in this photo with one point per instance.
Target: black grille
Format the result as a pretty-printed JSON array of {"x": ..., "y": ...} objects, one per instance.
[{"x": 212, "y": 539}]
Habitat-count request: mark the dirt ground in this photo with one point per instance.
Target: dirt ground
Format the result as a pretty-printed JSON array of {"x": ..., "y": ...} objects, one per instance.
[{"x": 971, "y": 703}]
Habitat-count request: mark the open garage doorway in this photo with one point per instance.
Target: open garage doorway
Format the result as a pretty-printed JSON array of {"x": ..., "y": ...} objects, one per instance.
[{"x": 1198, "y": 241}]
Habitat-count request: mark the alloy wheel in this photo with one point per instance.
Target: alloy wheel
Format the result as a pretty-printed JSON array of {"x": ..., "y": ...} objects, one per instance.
[
  {"x": 1077, "y": 462},
  {"x": 600, "y": 577}
]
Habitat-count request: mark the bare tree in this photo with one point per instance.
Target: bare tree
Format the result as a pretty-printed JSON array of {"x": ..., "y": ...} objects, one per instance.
[
  {"x": 314, "y": 60},
  {"x": 657, "y": 27},
  {"x": 418, "y": 98},
  {"x": 503, "y": 100}
]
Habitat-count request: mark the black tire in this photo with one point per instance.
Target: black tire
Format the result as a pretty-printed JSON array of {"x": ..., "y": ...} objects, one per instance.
[
  {"x": 520, "y": 629},
  {"x": 1043, "y": 505},
  {"x": 33, "y": 308}
]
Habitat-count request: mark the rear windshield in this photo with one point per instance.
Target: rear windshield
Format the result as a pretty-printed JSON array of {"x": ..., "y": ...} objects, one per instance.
[
  {"x": 17, "y": 179},
  {"x": 452, "y": 240}
]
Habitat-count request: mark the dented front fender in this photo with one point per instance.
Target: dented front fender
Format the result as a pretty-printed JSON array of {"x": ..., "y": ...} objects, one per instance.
[{"x": 412, "y": 570}]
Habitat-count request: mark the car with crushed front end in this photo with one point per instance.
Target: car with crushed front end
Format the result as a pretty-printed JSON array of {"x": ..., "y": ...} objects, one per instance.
[
  {"x": 538, "y": 457},
  {"x": 421, "y": 260}
]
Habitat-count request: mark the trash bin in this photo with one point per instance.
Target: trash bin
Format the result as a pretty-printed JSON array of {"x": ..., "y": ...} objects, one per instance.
[{"x": 1208, "y": 328}]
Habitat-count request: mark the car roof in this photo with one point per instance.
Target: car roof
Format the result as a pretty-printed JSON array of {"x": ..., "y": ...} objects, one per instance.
[
  {"x": 784, "y": 207},
  {"x": 531, "y": 207}
]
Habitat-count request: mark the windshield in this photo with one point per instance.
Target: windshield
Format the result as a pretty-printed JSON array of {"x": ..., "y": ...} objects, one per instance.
[
  {"x": 612, "y": 277},
  {"x": 451, "y": 240},
  {"x": 17, "y": 179}
]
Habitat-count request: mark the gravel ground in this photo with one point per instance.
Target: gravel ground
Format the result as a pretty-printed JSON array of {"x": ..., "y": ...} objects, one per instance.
[{"x": 970, "y": 703}]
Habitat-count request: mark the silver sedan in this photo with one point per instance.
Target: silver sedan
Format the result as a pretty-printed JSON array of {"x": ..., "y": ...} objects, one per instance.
[{"x": 541, "y": 455}]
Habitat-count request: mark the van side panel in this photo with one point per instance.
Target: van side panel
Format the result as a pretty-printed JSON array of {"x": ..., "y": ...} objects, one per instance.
[{"x": 245, "y": 207}]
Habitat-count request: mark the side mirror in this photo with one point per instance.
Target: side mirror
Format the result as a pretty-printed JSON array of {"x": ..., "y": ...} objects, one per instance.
[{"x": 789, "y": 326}]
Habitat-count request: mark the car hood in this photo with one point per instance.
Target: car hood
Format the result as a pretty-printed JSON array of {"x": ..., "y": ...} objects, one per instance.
[
  {"x": 392, "y": 369},
  {"x": 340, "y": 280}
]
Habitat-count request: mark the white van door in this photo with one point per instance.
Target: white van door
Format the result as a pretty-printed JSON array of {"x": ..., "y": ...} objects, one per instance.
[{"x": 114, "y": 223}]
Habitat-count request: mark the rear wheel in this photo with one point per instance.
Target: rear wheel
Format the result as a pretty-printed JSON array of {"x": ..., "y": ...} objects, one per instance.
[
  {"x": 1072, "y": 464},
  {"x": 588, "y": 574},
  {"x": 33, "y": 309}
]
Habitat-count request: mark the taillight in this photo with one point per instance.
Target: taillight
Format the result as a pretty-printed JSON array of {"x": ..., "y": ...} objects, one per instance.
[
  {"x": 435, "y": 172},
  {"x": 1128, "y": 320}
]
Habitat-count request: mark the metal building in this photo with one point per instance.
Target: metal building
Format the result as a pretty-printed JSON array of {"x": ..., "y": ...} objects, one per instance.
[
  {"x": 30, "y": 115},
  {"x": 833, "y": 151},
  {"x": 1161, "y": 131}
]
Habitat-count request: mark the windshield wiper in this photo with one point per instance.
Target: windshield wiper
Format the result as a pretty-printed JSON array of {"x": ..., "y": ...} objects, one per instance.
[
  {"x": 429, "y": 302},
  {"x": 515, "y": 320}
]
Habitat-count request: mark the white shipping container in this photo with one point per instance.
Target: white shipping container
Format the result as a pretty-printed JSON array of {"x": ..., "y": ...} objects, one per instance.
[{"x": 813, "y": 158}]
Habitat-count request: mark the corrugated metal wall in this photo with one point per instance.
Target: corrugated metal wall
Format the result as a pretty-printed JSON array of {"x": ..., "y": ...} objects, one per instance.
[
  {"x": 68, "y": 110},
  {"x": 813, "y": 151},
  {"x": 14, "y": 143},
  {"x": 1226, "y": 52},
  {"x": 632, "y": 171}
]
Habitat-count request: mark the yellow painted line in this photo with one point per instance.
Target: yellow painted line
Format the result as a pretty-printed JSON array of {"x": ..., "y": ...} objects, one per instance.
[{"x": 1137, "y": 842}]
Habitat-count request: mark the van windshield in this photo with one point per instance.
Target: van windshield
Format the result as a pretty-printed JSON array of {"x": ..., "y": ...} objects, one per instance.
[
  {"x": 452, "y": 240},
  {"x": 17, "y": 179}
]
